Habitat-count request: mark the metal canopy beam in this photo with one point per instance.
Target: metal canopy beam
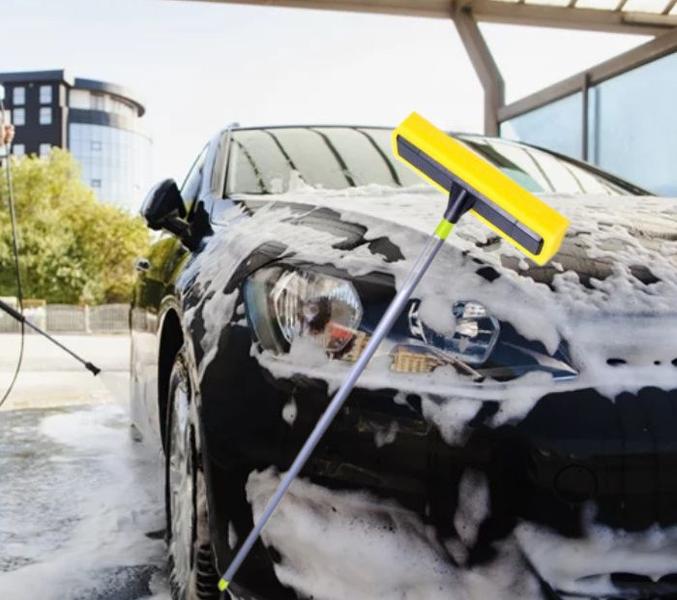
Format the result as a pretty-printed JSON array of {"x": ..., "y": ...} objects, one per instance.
[
  {"x": 493, "y": 11},
  {"x": 485, "y": 67},
  {"x": 409, "y": 8}
]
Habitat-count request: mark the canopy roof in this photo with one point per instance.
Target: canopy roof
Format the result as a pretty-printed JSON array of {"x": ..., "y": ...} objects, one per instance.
[
  {"x": 646, "y": 17},
  {"x": 639, "y": 16}
]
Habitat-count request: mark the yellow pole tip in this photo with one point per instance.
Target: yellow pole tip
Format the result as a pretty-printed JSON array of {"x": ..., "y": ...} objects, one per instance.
[
  {"x": 223, "y": 585},
  {"x": 444, "y": 229}
]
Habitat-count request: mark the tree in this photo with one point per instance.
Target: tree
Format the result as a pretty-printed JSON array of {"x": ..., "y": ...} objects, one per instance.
[{"x": 73, "y": 247}]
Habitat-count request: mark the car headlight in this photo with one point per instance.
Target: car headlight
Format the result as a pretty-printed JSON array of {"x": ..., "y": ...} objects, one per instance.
[
  {"x": 283, "y": 305},
  {"x": 473, "y": 337}
]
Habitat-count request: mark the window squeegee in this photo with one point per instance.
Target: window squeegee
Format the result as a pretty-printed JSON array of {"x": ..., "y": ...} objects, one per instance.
[{"x": 473, "y": 185}]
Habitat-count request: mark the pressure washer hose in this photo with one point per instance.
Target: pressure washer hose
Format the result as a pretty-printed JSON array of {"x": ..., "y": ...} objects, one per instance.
[{"x": 15, "y": 253}]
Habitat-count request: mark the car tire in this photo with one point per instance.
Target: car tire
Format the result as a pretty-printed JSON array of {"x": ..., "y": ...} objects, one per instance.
[{"x": 192, "y": 575}]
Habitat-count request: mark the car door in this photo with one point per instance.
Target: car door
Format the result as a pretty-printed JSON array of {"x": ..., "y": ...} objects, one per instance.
[{"x": 154, "y": 285}]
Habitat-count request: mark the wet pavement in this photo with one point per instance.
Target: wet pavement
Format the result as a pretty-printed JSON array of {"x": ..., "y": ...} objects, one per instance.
[
  {"x": 81, "y": 512},
  {"x": 50, "y": 377},
  {"x": 81, "y": 503}
]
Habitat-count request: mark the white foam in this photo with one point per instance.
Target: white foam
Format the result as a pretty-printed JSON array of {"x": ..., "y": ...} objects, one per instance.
[
  {"x": 336, "y": 545},
  {"x": 114, "y": 510}
]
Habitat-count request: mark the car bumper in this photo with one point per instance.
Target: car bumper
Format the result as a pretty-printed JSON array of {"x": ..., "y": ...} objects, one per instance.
[{"x": 578, "y": 466}]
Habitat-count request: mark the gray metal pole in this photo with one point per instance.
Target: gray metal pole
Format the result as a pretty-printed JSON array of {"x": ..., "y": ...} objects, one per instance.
[{"x": 392, "y": 313}]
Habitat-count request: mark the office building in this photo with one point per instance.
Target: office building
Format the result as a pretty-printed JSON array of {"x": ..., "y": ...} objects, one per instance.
[{"x": 99, "y": 122}]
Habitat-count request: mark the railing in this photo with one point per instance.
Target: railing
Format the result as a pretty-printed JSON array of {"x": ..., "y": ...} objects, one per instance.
[{"x": 70, "y": 318}]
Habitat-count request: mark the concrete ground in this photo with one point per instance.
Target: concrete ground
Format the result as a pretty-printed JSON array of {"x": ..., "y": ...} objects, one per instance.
[
  {"x": 50, "y": 377},
  {"x": 81, "y": 504}
]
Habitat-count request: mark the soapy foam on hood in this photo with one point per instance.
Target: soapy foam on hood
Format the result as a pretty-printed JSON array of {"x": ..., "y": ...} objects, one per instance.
[{"x": 622, "y": 231}]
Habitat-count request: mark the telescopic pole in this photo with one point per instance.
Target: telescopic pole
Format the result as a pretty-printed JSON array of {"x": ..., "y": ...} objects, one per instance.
[{"x": 459, "y": 203}]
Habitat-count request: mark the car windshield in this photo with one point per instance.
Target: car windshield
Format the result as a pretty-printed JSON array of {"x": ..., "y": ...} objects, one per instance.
[{"x": 277, "y": 160}]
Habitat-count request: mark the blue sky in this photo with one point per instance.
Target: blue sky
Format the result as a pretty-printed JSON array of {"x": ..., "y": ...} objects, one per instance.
[{"x": 198, "y": 66}]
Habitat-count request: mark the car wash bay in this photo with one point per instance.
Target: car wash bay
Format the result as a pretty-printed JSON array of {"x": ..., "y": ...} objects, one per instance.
[{"x": 72, "y": 478}]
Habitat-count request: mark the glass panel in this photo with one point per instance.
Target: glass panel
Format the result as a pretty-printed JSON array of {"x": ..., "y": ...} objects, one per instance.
[
  {"x": 549, "y": 2},
  {"x": 79, "y": 99},
  {"x": 191, "y": 186},
  {"x": 46, "y": 116},
  {"x": 632, "y": 125},
  {"x": 557, "y": 126},
  {"x": 45, "y": 94},
  {"x": 45, "y": 149},
  {"x": 262, "y": 152},
  {"x": 118, "y": 159},
  {"x": 541, "y": 172},
  {"x": 243, "y": 175},
  {"x": 98, "y": 101},
  {"x": 18, "y": 149},
  {"x": 18, "y": 116},
  {"x": 19, "y": 95},
  {"x": 271, "y": 160},
  {"x": 598, "y": 4},
  {"x": 364, "y": 162},
  {"x": 651, "y": 6},
  {"x": 382, "y": 139},
  {"x": 315, "y": 159}
]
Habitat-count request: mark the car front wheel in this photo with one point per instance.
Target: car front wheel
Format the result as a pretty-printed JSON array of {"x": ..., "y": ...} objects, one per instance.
[{"x": 191, "y": 564}]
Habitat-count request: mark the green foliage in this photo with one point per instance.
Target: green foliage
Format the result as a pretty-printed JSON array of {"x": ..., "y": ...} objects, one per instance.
[{"x": 73, "y": 247}]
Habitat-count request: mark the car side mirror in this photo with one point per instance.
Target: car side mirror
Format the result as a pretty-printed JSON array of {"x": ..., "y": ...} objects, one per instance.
[{"x": 163, "y": 208}]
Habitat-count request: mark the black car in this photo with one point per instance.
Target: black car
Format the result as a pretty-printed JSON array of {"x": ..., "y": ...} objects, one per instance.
[{"x": 514, "y": 437}]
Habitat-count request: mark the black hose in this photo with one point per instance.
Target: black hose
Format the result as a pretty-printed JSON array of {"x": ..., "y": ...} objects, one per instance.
[{"x": 15, "y": 252}]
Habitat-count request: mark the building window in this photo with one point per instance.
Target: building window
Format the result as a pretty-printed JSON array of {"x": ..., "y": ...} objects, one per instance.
[
  {"x": 45, "y": 94},
  {"x": 98, "y": 101},
  {"x": 95, "y": 183},
  {"x": 95, "y": 146},
  {"x": 19, "y": 96},
  {"x": 79, "y": 99},
  {"x": 45, "y": 115},
  {"x": 45, "y": 150},
  {"x": 18, "y": 116},
  {"x": 19, "y": 149}
]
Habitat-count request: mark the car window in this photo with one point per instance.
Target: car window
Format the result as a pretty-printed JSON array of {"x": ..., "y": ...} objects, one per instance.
[
  {"x": 272, "y": 161},
  {"x": 363, "y": 158},
  {"x": 191, "y": 184},
  {"x": 275, "y": 160},
  {"x": 545, "y": 173}
]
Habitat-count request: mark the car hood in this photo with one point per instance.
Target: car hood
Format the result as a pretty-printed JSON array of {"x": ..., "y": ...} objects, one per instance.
[
  {"x": 619, "y": 254},
  {"x": 607, "y": 233},
  {"x": 609, "y": 296},
  {"x": 610, "y": 292}
]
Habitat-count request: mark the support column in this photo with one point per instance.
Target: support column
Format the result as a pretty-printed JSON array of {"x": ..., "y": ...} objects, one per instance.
[
  {"x": 585, "y": 125},
  {"x": 485, "y": 67}
]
